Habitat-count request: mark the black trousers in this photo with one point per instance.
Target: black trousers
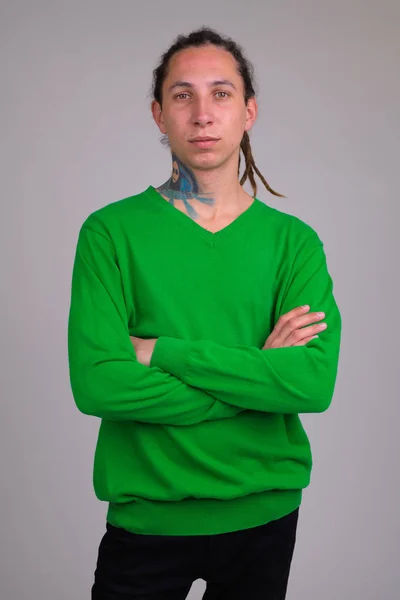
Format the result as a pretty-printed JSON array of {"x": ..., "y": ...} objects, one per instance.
[{"x": 250, "y": 564}]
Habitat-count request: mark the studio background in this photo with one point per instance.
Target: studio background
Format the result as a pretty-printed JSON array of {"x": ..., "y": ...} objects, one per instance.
[{"x": 76, "y": 134}]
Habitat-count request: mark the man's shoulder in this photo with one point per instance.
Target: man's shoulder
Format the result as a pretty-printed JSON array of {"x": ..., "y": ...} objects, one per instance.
[
  {"x": 289, "y": 225},
  {"x": 116, "y": 212}
]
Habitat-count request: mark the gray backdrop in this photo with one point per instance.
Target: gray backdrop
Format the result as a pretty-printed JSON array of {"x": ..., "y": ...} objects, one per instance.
[{"x": 76, "y": 134}]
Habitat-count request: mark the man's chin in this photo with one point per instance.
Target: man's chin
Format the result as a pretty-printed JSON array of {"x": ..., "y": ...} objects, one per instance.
[{"x": 203, "y": 160}]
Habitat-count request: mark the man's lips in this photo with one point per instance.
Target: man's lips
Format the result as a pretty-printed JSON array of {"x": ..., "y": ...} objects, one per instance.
[
  {"x": 206, "y": 142},
  {"x": 204, "y": 139}
]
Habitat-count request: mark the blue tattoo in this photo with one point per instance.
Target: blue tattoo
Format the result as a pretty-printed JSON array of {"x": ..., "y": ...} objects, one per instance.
[{"x": 182, "y": 185}]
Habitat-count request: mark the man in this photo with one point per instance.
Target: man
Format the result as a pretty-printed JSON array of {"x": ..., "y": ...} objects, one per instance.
[{"x": 191, "y": 337}]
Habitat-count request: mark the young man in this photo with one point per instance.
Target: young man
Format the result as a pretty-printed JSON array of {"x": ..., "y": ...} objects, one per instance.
[{"x": 191, "y": 337}]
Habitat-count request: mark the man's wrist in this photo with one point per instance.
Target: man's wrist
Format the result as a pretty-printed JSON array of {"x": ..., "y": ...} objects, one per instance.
[
  {"x": 151, "y": 350},
  {"x": 171, "y": 355}
]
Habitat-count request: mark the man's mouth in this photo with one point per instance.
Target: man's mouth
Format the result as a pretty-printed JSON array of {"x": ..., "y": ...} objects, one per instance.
[
  {"x": 204, "y": 139},
  {"x": 204, "y": 142}
]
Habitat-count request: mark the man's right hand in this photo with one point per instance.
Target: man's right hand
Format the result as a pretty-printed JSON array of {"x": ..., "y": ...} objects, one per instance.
[{"x": 290, "y": 328}]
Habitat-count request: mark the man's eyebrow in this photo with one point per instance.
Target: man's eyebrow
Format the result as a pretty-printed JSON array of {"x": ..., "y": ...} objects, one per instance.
[{"x": 187, "y": 84}]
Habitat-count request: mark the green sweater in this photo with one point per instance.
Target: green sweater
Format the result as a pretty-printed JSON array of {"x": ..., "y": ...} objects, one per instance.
[{"x": 207, "y": 439}]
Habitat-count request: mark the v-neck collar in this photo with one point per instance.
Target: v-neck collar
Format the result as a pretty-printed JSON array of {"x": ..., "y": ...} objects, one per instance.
[{"x": 211, "y": 236}]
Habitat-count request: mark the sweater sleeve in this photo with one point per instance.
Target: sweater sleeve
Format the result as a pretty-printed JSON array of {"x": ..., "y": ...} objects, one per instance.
[
  {"x": 107, "y": 381},
  {"x": 294, "y": 379}
]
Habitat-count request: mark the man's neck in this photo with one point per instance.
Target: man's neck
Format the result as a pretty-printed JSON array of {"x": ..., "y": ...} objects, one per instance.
[{"x": 204, "y": 194}]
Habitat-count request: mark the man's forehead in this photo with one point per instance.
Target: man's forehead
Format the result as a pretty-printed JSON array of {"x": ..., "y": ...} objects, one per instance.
[
  {"x": 205, "y": 66},
  {"x": 210, "y": 57}
]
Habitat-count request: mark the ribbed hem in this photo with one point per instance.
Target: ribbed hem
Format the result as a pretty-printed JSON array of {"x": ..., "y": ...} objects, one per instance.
[{"x": 194, "y": 516}]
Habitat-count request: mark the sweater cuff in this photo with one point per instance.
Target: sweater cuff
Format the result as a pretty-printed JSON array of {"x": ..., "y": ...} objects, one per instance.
[{"x": 171, "y": 355}]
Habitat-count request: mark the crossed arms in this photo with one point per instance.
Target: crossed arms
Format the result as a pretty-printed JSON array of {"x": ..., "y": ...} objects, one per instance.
[{"x": 188, "y": 382}]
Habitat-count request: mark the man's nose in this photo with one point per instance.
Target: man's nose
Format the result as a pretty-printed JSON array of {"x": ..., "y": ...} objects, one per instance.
[{"x": 202, "y": 112}]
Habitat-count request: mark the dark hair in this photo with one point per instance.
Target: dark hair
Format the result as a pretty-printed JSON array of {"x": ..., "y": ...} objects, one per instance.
[{"x": 203, "y": 37}]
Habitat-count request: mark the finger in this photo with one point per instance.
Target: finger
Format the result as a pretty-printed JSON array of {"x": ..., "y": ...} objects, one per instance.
[
  {"x": 303, "y": 320},
  {"x": 305, "y": 340},
  {"x": 300, "y": 323},
  {"x": 292, "y": 314},
  {"x": 305, "y": 332}
]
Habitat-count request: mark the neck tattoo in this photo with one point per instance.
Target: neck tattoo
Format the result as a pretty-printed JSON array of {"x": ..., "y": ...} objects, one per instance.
[{"x": 182, "y": 185}]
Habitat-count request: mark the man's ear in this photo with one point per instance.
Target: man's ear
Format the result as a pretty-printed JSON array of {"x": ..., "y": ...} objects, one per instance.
[
  {"x": 251, "y": 113},
  {"x": 158, "y": 116}
]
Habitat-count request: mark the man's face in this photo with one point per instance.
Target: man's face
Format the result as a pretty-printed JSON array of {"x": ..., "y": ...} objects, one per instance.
[{"x": 194, "y": 105}]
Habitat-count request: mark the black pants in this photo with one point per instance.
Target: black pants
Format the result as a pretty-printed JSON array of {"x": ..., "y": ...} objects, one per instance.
[{"x": 250, "y": 564}]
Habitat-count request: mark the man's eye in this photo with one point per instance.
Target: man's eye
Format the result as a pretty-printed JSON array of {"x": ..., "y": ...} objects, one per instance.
[{"x": 184, "y": 94}]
